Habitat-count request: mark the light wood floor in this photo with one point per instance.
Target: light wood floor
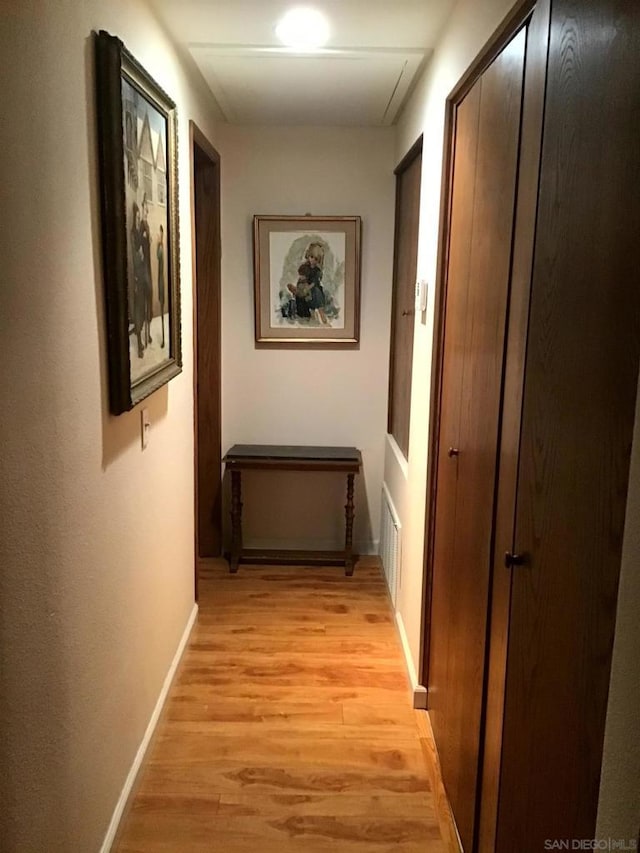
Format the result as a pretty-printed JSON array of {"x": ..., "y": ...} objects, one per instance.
[{"x": 289, "y": 727}]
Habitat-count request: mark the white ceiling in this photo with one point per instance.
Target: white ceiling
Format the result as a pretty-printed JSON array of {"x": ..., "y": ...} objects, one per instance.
[{"x": 361, "y": 77}]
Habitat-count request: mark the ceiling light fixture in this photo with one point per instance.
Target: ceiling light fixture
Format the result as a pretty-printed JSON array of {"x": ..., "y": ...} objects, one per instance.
[{"x": 303, "y": 28}]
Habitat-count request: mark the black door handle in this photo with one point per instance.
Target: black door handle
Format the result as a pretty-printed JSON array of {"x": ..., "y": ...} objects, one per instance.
[
  {"x": 511, "y": 559},
  {"x": 453, "y": 451}
]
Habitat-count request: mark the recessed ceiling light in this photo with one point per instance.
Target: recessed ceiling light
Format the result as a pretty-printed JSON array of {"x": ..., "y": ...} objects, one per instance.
[{"x": 303, "y": 28}]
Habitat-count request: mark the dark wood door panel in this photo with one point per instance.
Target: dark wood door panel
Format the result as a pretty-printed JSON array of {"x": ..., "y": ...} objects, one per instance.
[
  {"x": 494, "y": 201},
  {"x": 404, "y": 281},
  {"x": 518, "y": 316},
  {"x": 457, "y": 282},
  {"x": 580, "y": 389}
]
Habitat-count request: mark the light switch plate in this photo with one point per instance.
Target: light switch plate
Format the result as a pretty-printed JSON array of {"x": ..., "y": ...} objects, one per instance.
[
  {"x": 145, "y": 427},
  {"x": 422, "y": 289}
]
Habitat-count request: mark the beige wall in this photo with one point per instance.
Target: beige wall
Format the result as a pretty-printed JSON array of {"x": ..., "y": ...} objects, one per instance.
[
  {"x": 619, "y": 805},
  {"x": 469, "y": 27},
  {"x": 96, "y": 581},
  {"x": 307, "y": 396}
]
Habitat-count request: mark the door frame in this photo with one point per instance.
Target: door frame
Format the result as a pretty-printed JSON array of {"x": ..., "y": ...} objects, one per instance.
[
  {"x": 516, "y": 18},
  {"x": 200, "y": 146},
  {"x": 412, "y": 154}
]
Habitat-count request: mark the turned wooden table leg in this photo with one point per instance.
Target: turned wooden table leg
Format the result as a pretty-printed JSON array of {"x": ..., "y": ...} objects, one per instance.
[
  {"x": 349, "y": 513},
  {"x": 236, "y": 520}
]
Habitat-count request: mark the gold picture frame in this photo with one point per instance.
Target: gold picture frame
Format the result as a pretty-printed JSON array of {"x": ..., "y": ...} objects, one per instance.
[{"x": 307, "y": 281}]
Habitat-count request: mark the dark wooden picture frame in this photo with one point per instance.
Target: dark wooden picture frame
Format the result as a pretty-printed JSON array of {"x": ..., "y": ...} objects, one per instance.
[
  {"x": 307, "y": 281},
  {"x": 137, "y": 133}
]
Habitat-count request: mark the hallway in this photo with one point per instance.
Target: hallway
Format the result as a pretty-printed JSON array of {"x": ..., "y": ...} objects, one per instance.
[{"x": 289, "y": 726}]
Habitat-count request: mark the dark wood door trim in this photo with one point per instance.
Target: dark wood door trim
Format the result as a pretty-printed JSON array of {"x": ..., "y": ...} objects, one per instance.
[
  {"x": 514, "y": 21},
  {"x": 409, "y": 157},
  {"x": 414, "y": 152},
  {"x": 436, "y": 381},
  {"x": 207, "y": 314}
]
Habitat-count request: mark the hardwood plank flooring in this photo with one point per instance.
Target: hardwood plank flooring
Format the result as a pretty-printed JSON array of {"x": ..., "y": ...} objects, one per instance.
[{"x": 289, "y": 726}]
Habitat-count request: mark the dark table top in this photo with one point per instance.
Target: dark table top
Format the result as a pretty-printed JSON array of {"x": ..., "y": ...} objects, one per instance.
[{"x": 293, "y": 451}]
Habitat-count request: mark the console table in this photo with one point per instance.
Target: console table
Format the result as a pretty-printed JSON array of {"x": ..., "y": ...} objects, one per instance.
[{"x": 271, "y": 457}]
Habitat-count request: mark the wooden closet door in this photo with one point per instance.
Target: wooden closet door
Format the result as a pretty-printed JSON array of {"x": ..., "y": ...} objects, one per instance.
[
  {"x": 519, "y": 297},
  {"x": 471, "y": 394},
  {"x": 442, "y": 640},
  {"x": 577, "y": 425}
]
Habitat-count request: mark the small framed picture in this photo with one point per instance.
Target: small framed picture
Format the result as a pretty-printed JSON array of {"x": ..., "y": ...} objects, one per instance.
[
  {"x": 307, "y": 281},
  {"x": 139, "y": 188}
]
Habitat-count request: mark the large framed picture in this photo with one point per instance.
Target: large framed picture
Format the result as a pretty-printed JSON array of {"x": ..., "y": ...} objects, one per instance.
[
  {"x": 307, "y": 281},
  {"x": 139, "y": 188}
]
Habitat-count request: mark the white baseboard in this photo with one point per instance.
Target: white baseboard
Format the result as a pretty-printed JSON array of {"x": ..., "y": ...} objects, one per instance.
[
  {"x": 418, "y": 690},
  {"x": 142, "y": 749}
]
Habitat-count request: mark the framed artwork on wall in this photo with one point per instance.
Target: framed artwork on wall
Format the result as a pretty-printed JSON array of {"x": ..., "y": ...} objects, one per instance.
[
  {"x": 137, "y": 137},
  {"x": 307, "y": 281}
]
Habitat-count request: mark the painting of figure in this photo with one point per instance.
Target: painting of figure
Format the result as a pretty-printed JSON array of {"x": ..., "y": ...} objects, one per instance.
[
  {"x": 145, "y": 159},
  {"x": 307, "y": 279},
  {"x": 138, "y": 159}
]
